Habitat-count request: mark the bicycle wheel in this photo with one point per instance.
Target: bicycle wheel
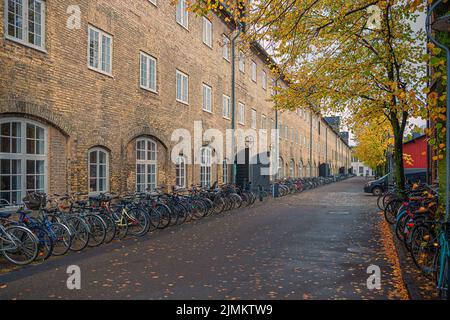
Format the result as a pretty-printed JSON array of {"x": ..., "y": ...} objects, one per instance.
[
  {"x": 62, "y": 238},
  {"x": 154, "y": 218},
  {"x": 423, "y": 249},
  {"x": 390, "y": 212},
  {"x": 110, "y": 227},
  {"x": 22, "y": 248},
  {"x": 218, "y": 205},
  {"x": 121, "y": 226},
  {"x": 164, "y": 212},
  {"x": 138, "y": 222},
  {"x": 80, "y": 232},
  {"x": 97, "y": 229},
  {"x": 45, "y": 243}
]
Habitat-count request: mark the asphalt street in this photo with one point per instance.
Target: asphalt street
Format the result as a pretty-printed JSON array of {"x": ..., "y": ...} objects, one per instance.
[{"x": 313, "y": 245}]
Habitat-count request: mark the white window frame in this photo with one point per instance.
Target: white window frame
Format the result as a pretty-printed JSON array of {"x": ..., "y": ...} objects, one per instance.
[
  {"x": 23, "y": 156},
  {"x": 205, "y": 166},
  {"x": 254, "y": 119},
  {"x": 207, "y": 32},
  {"x": 25, "y": 27},
  {"x": 226, "y": 107},
  {"x": 254, "y": 72},
  {"x": 226, "y": 47},
  {"x": 184, "y": 81},
  {"x": 207, "y": 98},
  {"x": 182, "y": 15},
  {"x": 180, "y": 172},
  {"x": 241, "y": 61},
  {"x": 241, "y": 113},
  {"x": 264, "y": 80},
  {"x": 146, "y": 162},
  {"x": 100, "y": 48},
  {"x": 97, "y": 164},
  {"x": 149, "y": 78}
]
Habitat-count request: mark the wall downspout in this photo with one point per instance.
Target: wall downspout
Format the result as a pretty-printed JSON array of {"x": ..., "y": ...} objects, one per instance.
[{"x": 233, "y": 98}]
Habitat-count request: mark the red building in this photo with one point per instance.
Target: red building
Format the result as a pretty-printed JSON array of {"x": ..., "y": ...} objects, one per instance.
[{"x": 416, "y": 148}]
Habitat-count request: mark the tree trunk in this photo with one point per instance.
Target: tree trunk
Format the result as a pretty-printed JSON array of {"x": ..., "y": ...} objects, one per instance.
[{"x": 399, "y": 170}]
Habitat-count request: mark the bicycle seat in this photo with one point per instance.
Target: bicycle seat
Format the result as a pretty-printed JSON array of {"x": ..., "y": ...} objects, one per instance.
[{"x": 5, "y": 215}]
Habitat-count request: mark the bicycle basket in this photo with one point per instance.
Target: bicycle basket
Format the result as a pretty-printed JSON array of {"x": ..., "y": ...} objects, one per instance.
[{"x": 35, "y": 201}]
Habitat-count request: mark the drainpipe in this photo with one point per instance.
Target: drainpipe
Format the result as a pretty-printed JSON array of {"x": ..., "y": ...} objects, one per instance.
[
  {"x": 277, "y": 135},
  {"x": 326, "y": 151},
  {"x": 233, "y": 97}
]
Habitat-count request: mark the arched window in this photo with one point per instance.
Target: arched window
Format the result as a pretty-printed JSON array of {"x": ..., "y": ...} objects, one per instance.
[
  {"x": 225, "y": 171},
  {"x": 146, "y": 165},
  {"x": 98, "y": 170},
  {"x": 300, "y": 169},
  {"x": 23, "y": 158},
  {"x": 180, "y": 172},
  {"x": 280, "y": 168},
  {"x": 205, "y": 167},
  {"x": 291, "y": 169}
]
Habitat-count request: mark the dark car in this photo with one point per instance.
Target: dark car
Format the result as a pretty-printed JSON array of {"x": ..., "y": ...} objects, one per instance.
[{"x": 377, "y": 187}]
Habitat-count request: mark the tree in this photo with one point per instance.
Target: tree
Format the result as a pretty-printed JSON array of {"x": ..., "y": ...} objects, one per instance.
[
  {"x": 373, "y": 139},
  {"x": 340, "y": 55}
]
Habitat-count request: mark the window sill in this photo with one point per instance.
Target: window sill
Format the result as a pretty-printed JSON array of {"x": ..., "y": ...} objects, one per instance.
[
  {"x": 26, "y": 44},
  {"x": 207, "y": 111},
  {"x": 183, "y": 102},
  {"x": 226, "y": 118},
  {"x": 101, "y": 72},
  {"x": 149, "y": 90},
  {"x": 184, "y": 27}
]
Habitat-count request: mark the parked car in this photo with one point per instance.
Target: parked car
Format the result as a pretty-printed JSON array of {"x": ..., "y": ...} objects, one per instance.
[{"x": 378, "y": 186}]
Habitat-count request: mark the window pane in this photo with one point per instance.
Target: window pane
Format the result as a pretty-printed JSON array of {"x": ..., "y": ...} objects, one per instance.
[
  {"x": 93, "y": 171},
  {"x": 31, "y": 131},
  {"x": 93, "y": 157},
  {"x": 152, "y": 80},
  {"x": 144, "y": 71},
  {"x": 31, "y": 147},
  {"x": 93, "y": 48}
]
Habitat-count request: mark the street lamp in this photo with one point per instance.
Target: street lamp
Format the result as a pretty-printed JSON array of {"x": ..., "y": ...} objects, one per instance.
[{"x": 443, "y": 24}]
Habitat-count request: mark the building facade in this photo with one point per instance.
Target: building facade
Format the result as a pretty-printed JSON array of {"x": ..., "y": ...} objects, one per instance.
[
  {"x": 91, "y": 92},
  {"x": 360, "y": 169}
]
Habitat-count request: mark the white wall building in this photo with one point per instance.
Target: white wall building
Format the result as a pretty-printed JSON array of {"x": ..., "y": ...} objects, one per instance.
[{"x": 360, "y": 169}]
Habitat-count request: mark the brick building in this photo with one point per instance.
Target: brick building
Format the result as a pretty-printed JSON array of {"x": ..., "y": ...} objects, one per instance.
[{"x": 92, "y": 107}]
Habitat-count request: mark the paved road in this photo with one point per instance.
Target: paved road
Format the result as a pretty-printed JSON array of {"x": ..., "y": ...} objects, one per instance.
[{"x": 314, "y": 245}]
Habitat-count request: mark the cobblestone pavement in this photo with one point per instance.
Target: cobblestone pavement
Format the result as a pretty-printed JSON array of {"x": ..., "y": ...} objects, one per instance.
[{"x": 314, "y": 245}]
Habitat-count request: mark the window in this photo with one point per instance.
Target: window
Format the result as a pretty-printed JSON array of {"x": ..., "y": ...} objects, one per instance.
[
  {"x": 226, "y": 106},
  {"x": 100, "y": 47},
  {"x": 263, "y": 122},
  {"x": 98, "y": 170},
  {"x": 300, "y": 169},
  {"x": 205, "y": 167},
  {"x": 286, "y": 132},
  {"x": 264, "y": 80},
  {"x": 280, "y": 168},
  {"x": 241, "y": 113},
  {"x": 253, "y": 119},
  {"x": 207, "y": 32},
  {"x": 226, "y": 48},
  {"x": 225, "y": 171},
  {"x": 180, "y": 172},
  {"x": 148, "y": 72},
  {"x": 182, "y": 13},
  {"x": 253, "y": 71},
  {"x": 23, "y": 159},
  {"x": 241, "y": 61},
  {"x": 25, "y": 22},
  {"x": 146, "y": 165},
  {"x": 291, "y": 169},
  {"x": 207, "y": 104},
  {"x": 182, "y": 87}
]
